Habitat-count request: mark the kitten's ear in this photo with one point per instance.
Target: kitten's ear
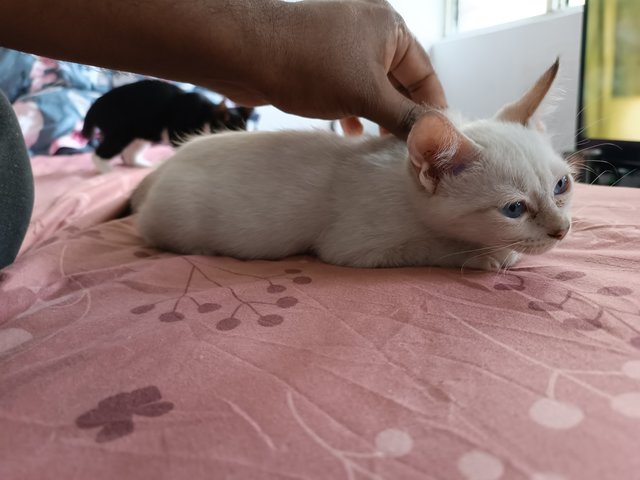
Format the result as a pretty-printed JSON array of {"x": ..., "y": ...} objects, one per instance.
[
  {"x": 522, "y": 110},
  {"x": 222, "y": 106},
  {"x": 437, "y": 148},
  {"x": 245, "y": 112},
  {"x": 221, "y": 112}
]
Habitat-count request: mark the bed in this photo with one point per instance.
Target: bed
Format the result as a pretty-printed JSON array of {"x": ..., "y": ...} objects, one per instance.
[{"x": 122, "y": 362}]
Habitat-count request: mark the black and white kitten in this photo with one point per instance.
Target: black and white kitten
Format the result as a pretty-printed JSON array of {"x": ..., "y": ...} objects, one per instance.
[{"x": 131, "y": 116}]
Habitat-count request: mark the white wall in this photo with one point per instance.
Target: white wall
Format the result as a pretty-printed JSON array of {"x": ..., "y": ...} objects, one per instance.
[
  {"x": 483, "y": 70},
  {"x": 425, "y": 18}
]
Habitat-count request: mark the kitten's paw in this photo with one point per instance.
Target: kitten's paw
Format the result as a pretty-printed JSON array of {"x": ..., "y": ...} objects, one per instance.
[
  {"x": 140, "y": 161},
  {"x": 133, "y": 154},
  {"x": 494, "y": 263},
  {"x": 102, "y": 165}
]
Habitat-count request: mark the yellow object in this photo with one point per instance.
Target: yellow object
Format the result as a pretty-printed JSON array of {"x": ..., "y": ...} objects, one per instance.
[{"x": 611, "y": 89}]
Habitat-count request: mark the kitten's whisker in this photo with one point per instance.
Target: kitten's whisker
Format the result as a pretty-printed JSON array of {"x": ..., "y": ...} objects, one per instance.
[
  {"x": 622, "y": 177},
  {"x": 592, "y": 101},
  {"x": 583, "y": 169},
  {"x": 613, "y": 170},
  {"x": 490, "y": 247},
  {"x": 598, "y": 177},
  {"x": 570, "y": 157},
  {"x": 579, "y": 173},
  {"x": 604, "y": 144},
  {"x": 583, "y": 166},
  {"x": 587, "y": 168},
  {"x": 473, "y": 258},
  {"x": 493, "y": 250},
  {"x": 608, "y": 144},
  {"x": 603, "y": 161},
  {"x": 502, "y": 268},
  {"x": 579, "y": 132},
  {"x": 576, "y": 169}
]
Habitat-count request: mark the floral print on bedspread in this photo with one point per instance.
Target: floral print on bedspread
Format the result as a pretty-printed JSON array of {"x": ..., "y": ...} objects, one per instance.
[{"x": 114, "y": 415}]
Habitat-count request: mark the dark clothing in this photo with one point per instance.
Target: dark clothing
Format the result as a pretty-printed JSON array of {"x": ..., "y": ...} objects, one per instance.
[{"x": 16, "y": 185}]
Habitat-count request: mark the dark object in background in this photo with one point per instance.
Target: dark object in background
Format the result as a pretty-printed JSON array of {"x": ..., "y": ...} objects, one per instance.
[
  {"x": 16, "y": 185},
  {"x": 144, "y": 110}
]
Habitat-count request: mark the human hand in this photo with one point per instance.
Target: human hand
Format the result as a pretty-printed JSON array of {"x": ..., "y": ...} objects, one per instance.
[{"x": 333, "y": 59}]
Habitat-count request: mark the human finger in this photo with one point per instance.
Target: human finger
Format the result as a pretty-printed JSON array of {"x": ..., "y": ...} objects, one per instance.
[
  {"x": 414, "y": 71},
  {"x": 393, "y": 111}
]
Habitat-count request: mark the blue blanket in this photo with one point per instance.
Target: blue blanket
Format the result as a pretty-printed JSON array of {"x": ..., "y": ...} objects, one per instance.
[{"x": 51, "y": 97}]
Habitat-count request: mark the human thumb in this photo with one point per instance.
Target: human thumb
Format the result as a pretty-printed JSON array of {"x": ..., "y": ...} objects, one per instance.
[{"x": 394, "y": 112}]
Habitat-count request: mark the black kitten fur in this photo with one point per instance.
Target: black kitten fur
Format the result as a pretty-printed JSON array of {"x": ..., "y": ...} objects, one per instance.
[{"x": 142, "y": 110}]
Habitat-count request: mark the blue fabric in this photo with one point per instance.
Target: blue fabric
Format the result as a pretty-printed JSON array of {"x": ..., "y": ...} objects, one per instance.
[
  {"x": 51, "y": 98},
  {"x": 15, "y": 68}
]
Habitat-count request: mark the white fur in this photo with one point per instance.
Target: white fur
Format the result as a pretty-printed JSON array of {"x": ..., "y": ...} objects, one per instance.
[
  {"x": 133, "y": 154},
  {"x": 355, "y": 201},
  {"x": 102, "y": 165}
]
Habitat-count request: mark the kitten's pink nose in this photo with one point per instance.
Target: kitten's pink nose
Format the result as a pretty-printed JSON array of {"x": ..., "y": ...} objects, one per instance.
[{"x": 559, "y": 234}]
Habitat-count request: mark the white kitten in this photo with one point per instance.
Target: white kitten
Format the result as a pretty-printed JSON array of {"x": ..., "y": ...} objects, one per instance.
[{"x": 475, "y": 194}]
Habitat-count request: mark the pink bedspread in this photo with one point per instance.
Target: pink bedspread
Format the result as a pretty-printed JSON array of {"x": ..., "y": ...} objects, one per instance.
[{"x": 121, "y": 362}]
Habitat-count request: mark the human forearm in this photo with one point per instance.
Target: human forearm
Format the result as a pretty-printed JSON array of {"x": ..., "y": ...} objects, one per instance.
[
  {"x": 326, "y": 59},
  {"x": 217, "y": 43}
]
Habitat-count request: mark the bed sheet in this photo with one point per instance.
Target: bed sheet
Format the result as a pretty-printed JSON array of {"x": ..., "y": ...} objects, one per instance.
[{"x": 119, "y": 361}]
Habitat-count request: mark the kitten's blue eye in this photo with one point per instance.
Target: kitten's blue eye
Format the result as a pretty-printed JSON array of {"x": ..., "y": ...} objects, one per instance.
[
  {"x": 514, "y": 210},
  {"x": 561, "y": 186}
]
